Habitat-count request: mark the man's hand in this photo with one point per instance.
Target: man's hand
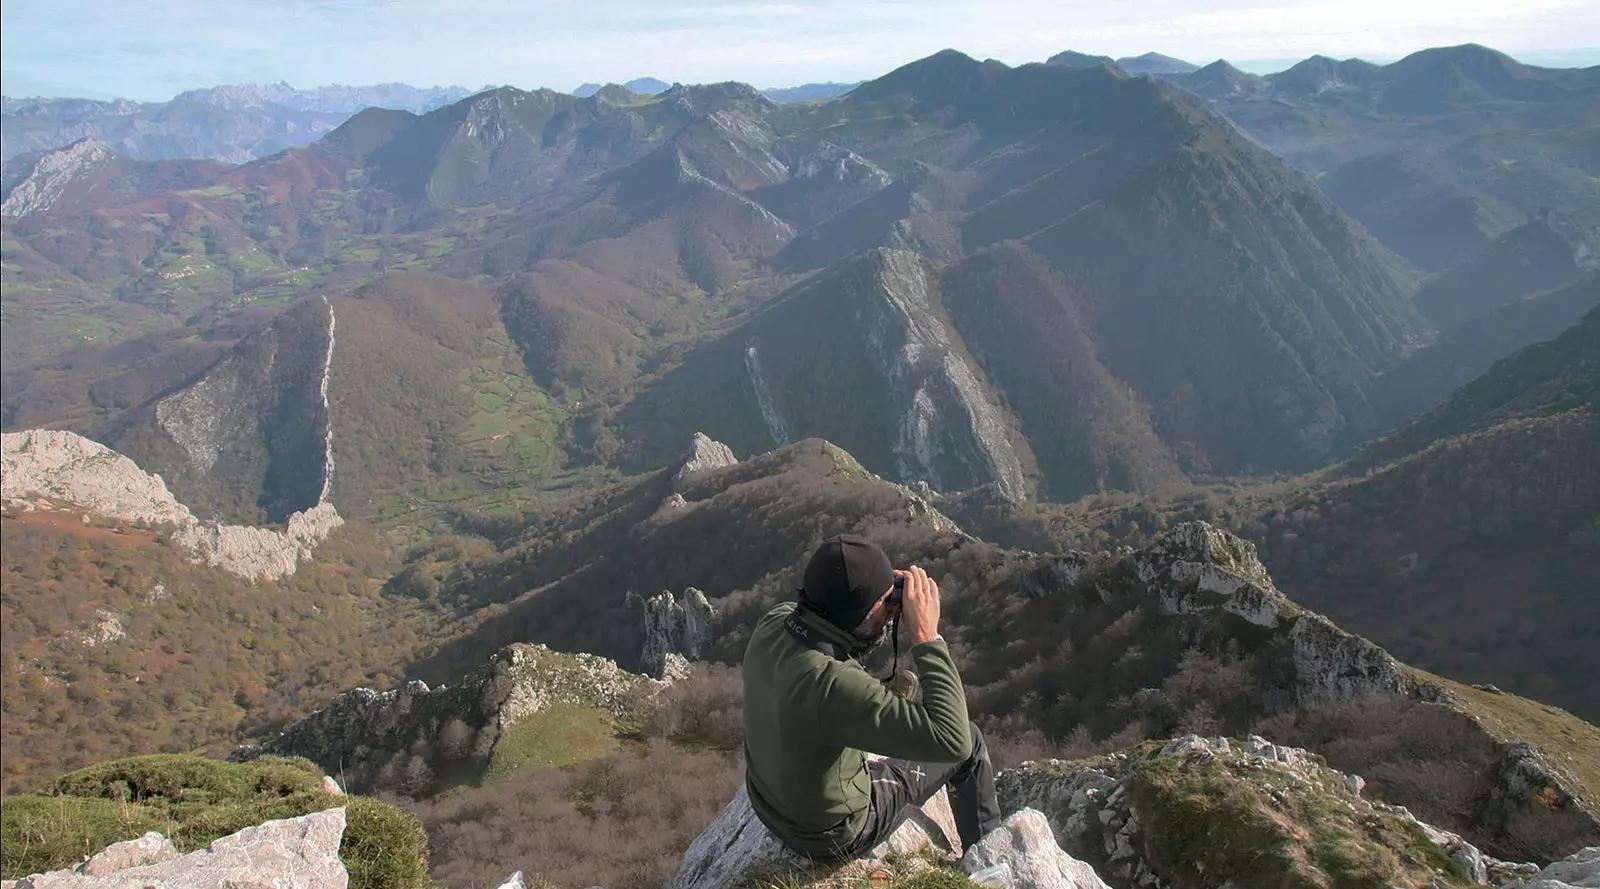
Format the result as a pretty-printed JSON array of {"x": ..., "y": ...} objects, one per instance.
[{"x": 919, "y": 607}]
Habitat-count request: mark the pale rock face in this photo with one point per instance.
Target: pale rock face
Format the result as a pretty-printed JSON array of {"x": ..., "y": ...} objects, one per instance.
[
  {"x": 1330, "y": 663},
  {"x": 944, "y": 405},
  {"x": 830, "y": 161},
  {"x": 1022, "y": 854},
  {"x": 670, "y": 627},
  {"x": 107, "y": 628},
  {"x": 515, "y": 881},
  {"x": 1198, "y": 569},
  {"x": 777, "y": 427},
  {"x": 42, "y": 466},
  {"x": 1580, "y": 870},
  {"x": 760, "y": 216},
  {"x": 705, "y": 454},
  {"x": 737, "y": 845},
  {"x": 52, "y": 175},
  {"x": 302, "y": 853},
  {"x": 197, "y": 417}
]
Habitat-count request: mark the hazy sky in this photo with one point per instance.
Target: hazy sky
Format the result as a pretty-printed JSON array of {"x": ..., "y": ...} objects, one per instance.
[{"x": 154, "y": 48}]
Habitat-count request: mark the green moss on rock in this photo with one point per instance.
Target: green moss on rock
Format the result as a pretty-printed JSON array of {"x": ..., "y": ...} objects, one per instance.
[{"x": 195, "y": 801}]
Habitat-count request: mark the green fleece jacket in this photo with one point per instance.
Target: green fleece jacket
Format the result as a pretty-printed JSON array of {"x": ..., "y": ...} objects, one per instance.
[{"x": 809, "y": 720}]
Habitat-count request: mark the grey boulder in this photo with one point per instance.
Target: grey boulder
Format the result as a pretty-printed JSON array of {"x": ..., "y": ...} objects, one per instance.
[
  {"x": 1022, "y": 854},
  {"x": 290, "y": 853}
]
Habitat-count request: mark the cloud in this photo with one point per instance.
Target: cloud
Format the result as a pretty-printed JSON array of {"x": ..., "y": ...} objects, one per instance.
[{"x": 154, "y": 48}]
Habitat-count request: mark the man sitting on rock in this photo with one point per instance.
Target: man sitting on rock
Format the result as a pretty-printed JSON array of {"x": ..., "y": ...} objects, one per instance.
[{"x": 812, "y": 712}]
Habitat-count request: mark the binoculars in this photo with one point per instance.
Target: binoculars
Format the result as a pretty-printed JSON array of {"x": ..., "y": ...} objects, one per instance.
[{"x": 899, "y": 591}]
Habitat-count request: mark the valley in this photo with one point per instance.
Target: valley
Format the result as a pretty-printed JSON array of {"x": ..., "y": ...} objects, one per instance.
[{"x": 1220, "y": 405}]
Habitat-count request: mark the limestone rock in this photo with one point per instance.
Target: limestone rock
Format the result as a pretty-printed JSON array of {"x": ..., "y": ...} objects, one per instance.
[
  {"x": 945, "y": 415},
  {"x": 398, "y": 740},
  {"x": 830, "y": 161},
  {"x": 332, "y": 786},
  {"x": 53, "y": 173},
  {"x": 704, "y": 454},
  {"x": 1091, "y": 805},
  {"x": 737, "y": 845},
  {"x": 1200, "y": 570},
  {"x": 1466, "y": 856},
  {"x": 670, "y": 627},
  {"x": 41, "y": 467},
  {"x": 515, "y": 881},
  {"x": 292, "y": 852},
  {"x": 152, "y": 848},
  {"x": 1022, "y": 854},
  {"x": 1580, "y": 870}
]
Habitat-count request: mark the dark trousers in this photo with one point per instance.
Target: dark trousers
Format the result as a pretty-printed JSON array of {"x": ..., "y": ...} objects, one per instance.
[{"x": 898, "y": 784}]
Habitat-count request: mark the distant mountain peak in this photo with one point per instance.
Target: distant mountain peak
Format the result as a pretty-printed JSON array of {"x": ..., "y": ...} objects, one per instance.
[
  {"x": 1220, "y": 80},
  {"x": 1320, "y": 74},
  {"x": 808, "y": 92},
  {"x": 645, "y": 86},
  {"x": 1156, "y": 63},
  {"x": 336, "y": 98},
  {"x": 944, "y": 74},
  {"x": 1074, "y": 59}
]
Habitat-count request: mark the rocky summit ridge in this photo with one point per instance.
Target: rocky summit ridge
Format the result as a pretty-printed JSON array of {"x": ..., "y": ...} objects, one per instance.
[
  {"x": 1212, "y": 585},
  {"x": 46, "y": 469},
  {"x": 1190, "y": 812}
]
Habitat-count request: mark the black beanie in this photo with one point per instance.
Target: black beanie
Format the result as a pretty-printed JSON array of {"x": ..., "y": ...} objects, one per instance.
[{"x": 846, "y": 576}]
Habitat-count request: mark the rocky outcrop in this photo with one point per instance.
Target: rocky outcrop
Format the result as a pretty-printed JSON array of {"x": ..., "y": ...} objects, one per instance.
[
  {"x": 1212, "y": 590},
  {"x": 705, "y": 454},
  {"x": 412, "y": 739},
  {"x": 292, "y": 852},
  {"x": 671, "y": 627},
  {"x": 46, "y": 468},
  {"x": 830, "y": 161},
  {"x": 737, "y": 846},
  {"x": 1199, "y": 571},
  {"x": 53, "y": 173},
  {"x": 1580, "y": 870},
  {"x": 1173, "y": 813},
  {"x": 1022, "y": 854}
]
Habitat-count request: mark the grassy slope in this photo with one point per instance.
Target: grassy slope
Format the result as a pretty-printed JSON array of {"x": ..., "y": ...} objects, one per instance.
[{"x": 1570, "y": 743}]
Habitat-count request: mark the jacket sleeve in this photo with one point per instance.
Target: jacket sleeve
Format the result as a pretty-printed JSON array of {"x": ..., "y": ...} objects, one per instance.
[{"x": 856, "y": 710}]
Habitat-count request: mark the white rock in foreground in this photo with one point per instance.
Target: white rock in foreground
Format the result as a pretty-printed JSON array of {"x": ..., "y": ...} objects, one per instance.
[
  {"x": 1022, "y": 854},
  {"x": 41, "y": 466},
  {"x": 152, "y": 848},
  {"x": 737, "y": 845},
  {"x": 291, "y": 853}
]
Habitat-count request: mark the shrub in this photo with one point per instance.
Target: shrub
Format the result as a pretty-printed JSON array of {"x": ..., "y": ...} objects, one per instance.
[
  {"x": 383, "y": 847},
  {"x": 621, "y": 821},
  {"x": 707, "y": 709}
]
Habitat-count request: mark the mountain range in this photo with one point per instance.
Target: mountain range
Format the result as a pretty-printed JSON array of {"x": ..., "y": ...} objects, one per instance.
[
  {"x": 1141, "y": 366},
  {"x": 235, "y": 123}
]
